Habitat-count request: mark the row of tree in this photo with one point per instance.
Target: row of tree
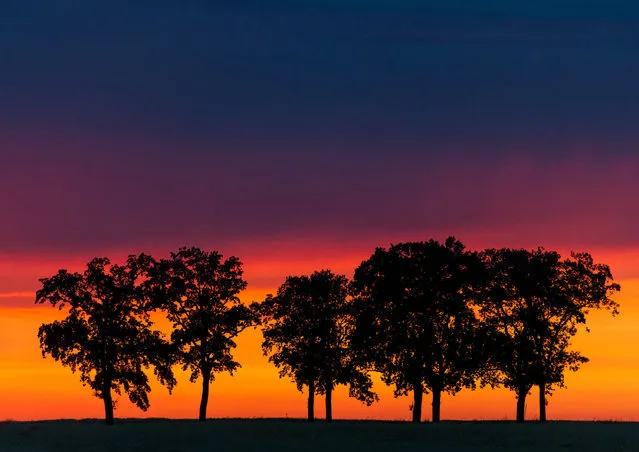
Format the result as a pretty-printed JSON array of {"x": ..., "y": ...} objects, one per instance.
[{"x": 428, "y": 316}]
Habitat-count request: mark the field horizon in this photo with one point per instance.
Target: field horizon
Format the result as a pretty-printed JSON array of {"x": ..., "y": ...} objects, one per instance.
[
  {"x": 268, "y": 434},
  {"x": 319, "y": 420}
]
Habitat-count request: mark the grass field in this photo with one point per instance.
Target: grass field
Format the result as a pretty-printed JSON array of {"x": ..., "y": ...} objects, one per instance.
[{"x": 292, "y": 435}]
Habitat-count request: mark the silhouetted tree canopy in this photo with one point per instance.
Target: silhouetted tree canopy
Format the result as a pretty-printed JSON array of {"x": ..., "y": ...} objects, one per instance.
[
  {"x": 429, "y": 316},
  {"x": 107, "y": 334},
  {"x": 200, "y": 295},
  {"x": 414, "y": 321},
  {"x": 306, "y": 328},
  {"x": 535, "y": 304}
]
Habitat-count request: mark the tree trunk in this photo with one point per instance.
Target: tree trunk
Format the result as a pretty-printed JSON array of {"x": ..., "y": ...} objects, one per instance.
[
  {"x": 417, "y": 403},
  {"x": 108, "y": 402},
  {"x": 206, "y": 380},
  {"x": 437, "y": 403},
  {"x": 542, "y": 402},
  {"x": 311, "y": 402},
  {"x": 329, "y": 404},
  {"x": 521, "y": 404}
]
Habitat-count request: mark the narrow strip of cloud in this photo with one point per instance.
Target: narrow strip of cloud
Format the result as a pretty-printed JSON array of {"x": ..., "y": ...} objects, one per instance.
[{"x": 17, "y": 295}]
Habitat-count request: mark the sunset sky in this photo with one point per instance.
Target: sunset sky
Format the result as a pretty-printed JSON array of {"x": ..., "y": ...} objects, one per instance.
[{"x": 299, "y": 136}]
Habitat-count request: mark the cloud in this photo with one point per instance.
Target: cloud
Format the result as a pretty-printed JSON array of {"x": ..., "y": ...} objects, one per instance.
[{"x": 17, "y": 295}]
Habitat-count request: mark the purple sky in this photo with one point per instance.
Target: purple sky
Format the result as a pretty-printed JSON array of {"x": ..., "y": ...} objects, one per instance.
[{"x": 153, "y": 125}]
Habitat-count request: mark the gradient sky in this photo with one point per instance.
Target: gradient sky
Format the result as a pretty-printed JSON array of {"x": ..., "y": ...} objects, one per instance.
[{"x": 301, "y": 135}]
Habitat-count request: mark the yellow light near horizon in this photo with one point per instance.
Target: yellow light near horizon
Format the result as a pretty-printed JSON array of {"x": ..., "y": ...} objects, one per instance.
[{"x": 35, "y": 388}]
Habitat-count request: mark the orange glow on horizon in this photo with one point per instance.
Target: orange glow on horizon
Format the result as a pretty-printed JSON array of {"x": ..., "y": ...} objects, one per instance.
[{"x": 35, "y": 388}]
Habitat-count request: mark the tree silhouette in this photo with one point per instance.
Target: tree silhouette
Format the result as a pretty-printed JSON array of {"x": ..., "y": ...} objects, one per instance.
[
  {"x": 200, "y": 296},
  {"x": 414, "y": 321},
  {"x": 535, "y": 304},
  {"x": 503, "y": 307},
  {"x": 107, "y": 334},
  {"x": 306, "y": 327}
]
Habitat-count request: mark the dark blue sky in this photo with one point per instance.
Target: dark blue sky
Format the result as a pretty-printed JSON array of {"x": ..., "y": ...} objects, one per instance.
[
  {"x": 157, "y": 121},
  {"x": 322, "y": 74}
]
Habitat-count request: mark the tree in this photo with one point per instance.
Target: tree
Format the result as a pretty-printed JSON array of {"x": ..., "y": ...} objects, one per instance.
[
  {"x": 414, "y": 320},
  {"x": 199, "y": 292},
  {"x": 513, "y": 350},
  {"x": 107, "y": 334},
  {"x": 535, "y": 303},
  {"x": 306, "y": 328}
]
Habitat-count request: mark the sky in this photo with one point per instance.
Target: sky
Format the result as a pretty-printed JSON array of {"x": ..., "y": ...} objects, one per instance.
[{"x": 299, "y": 135}]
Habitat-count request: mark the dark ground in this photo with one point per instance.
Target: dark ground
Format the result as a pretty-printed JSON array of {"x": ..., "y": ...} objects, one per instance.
[{"x": 296, "y": 435}]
